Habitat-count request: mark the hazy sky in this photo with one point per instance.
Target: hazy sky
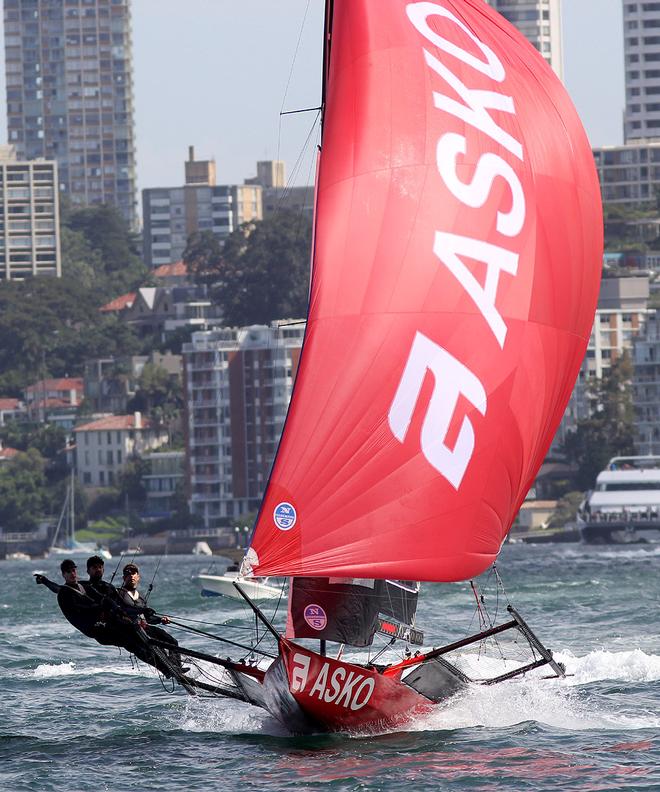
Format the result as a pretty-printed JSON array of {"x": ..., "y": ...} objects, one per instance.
[{"x": 214, "y": 74}]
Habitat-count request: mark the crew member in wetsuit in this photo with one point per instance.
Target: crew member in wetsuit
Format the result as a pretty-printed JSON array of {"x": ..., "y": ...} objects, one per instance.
[
  {"x": 131, "y": 598},
  {"x": 98, "y": 588},
  {"x": 101, "y": 617},
  {"x": 95, "y": 587},
  {"x": 78, "y": 608}
]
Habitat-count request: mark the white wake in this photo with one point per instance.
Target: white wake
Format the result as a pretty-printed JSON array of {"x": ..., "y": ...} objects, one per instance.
[{"x": 557, "y": 703}]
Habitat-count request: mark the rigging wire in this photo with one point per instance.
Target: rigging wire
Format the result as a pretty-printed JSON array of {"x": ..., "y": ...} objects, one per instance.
[
  {"x": 151, "y": 585},
  {"x": 288, "y": 82},
  {"x": 182, "y": 626},
  {"x": 295, "y": 55},
  {"x": 215, "y": 624}
]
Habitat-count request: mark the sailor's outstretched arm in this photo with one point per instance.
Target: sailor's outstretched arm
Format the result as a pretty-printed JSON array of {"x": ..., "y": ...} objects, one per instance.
[{"x": 43, "y": 580}]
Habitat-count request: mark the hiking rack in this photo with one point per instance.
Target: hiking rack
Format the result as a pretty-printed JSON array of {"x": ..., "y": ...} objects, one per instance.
[{"x": 517, "y": 622}]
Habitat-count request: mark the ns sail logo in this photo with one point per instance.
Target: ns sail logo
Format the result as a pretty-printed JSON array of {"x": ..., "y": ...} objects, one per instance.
[{"x": 284, "y": 516}]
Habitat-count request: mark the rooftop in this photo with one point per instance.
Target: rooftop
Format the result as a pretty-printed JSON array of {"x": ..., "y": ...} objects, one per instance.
[
  {"x": 176, "y": 270},
  {"x": 110, "y": 422},
  {"x": 119, "y": 303},
  {"x": 61, "y": 384}
]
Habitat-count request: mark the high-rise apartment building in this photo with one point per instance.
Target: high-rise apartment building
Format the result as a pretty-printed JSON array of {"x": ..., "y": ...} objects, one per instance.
[
  {"x": 276, "y": 195},
  {"x": 29, "y": 218},
  {"x": 641, "y": 48},
  {"x": 270, "y": 173},
  {"x": 237, "y": 386},
  {"x": 540, "y": 22},
  {"x": 620, "y": 319},
  {"x": 70, "y": 94},
  {"x": 629, "y": 174},
  {"x": 171, "y": 214},
  {"x": 646, "y": 387}
]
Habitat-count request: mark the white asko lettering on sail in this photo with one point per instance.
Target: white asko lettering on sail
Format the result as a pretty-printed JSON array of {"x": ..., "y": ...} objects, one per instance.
[{"x": 452, "y": 377}]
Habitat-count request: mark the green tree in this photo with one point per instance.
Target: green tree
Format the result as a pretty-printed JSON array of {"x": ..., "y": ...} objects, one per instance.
[
  {"x": 566, "y": 509},
  {"x": 609, "y": 430},
  {"x": 22, "y": 491},
  {"x": 131, "y": 482},
  {"x": 264, "y": 274},
  {"x": 48, "y": 327},
  {"x": 48, "y": 439},
  {"x": 159, "y": 395},
  {"x": 203, "y": 257},
  {"x": 100, "y": 251}
]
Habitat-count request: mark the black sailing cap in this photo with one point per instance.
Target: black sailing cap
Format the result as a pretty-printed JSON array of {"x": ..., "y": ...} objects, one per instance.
[{"x": 67, "y": 565}]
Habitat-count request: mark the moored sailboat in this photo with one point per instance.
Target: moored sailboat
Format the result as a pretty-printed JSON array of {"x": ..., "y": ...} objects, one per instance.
[{"x": 64, "y": 542}]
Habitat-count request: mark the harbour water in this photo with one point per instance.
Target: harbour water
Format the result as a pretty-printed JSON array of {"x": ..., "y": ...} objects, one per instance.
[{"x": 75, "y": 715}]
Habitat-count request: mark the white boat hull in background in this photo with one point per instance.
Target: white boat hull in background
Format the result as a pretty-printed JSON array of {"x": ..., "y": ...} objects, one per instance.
[{"x": 223, "y": 586}]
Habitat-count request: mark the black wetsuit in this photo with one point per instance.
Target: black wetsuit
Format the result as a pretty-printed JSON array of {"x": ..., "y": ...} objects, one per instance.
[
  {"x": 78, "y": 608},
  {"x": 139, "y": 604},
  {"x": 97, "y": 611}
]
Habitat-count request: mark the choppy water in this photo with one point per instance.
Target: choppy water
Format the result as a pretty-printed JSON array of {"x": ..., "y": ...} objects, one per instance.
[{"x": 77, "y": 716}]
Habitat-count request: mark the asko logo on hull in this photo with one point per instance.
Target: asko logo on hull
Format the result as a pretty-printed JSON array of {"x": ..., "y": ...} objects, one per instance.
[{"x": 341, "y": 686}]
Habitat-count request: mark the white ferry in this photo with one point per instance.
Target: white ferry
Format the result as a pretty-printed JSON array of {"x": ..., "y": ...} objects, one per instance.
[{"x": 625, "y": 503}]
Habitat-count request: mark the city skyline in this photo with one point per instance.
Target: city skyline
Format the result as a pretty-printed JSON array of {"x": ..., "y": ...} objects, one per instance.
[{"x": 221, "y": 88}]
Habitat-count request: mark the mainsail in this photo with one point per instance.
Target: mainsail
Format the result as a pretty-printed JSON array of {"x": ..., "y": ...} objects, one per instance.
[{"x": 458, "y": 247}]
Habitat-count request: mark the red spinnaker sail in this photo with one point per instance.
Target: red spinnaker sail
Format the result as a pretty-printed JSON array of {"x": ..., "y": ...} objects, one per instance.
[{"x": 457, "y": 264}]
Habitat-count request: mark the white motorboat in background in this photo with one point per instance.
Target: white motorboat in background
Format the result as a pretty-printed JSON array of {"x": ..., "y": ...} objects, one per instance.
[
  {"x": 624, "y": 505},
  {"x": 223, "y": 586}
]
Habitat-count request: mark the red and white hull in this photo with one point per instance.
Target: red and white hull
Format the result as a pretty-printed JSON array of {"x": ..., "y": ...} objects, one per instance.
[{"x": 309, "y": 692}]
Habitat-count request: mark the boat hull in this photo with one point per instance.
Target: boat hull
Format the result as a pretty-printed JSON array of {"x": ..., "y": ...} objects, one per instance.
[
  {"x": 312, "y": 693},
  {"x": 223, "y": 586}
]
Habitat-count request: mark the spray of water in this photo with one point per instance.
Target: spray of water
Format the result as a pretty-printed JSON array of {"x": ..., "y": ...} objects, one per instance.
[{"x": 560, "y": 704}]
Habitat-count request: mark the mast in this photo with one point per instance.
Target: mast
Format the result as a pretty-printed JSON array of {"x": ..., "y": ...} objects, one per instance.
[
  {"x": 327, "y": 43},
  {"x": 72, "y": 510}
]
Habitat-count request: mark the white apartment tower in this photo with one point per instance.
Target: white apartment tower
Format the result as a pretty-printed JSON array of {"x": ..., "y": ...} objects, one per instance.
[
  {"x": 172, "y": 214},
  {"x": 238, "y": 383},
  {"x": 641, "y": 46},
  {"x": 29, "y": 218},
  {"x": 540, "y": 22}
]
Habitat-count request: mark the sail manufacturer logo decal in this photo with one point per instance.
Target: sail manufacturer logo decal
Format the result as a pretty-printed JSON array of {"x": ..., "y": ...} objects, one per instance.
[
  {"x": 454, "y": 382},
  {"x": 316, "y": 617},
  {"x": 284, "y": 516},
  {"x": 345, "y": 688}
]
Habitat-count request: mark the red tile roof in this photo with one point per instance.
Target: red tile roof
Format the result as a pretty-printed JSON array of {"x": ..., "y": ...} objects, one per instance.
[
  {"x": 119, "y": 303},
  {"x": 113, "y": 422},
  {"x": 61, "y": 384},
  {"x": 38, "y": 404},
  {"x": 8, "y": 453},
  {"x": 178, "y": 269},
  {"x": 9, "y": 404}
]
